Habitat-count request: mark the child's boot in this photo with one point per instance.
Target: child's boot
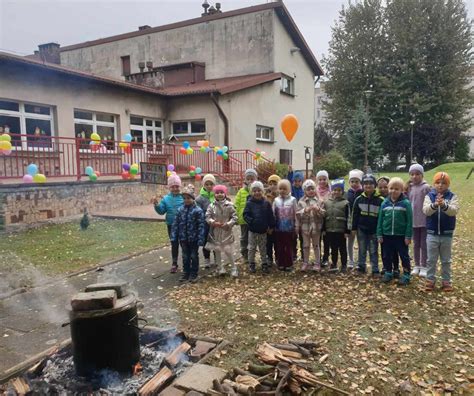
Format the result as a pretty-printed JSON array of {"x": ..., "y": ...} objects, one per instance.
[
  {"x": 446, "y": 286},
  {"x": 416, "y": 270},
  {"x": 235, "y": 272},
  {"x": 333, "y": 267},
  {"x": 317, "y": 267},
  {"x": 423, "y": 272},
  {"x": 222, "y": 270},
  {"x": 304, "y": 267},
  {"x": 174, "y": 268},
  {"x": 429, "y": 285},
  {"x": 396, "y": 274},
  {"x": 252, "y": 268},
  {"x": 404, "y": 279},
  {"x": 387, "y": 277},
  {"x": 207, "y": 263},
  {"x": 265, "y": 268},
  {"x": 184, "y": 277},
  {"x": 343, "y": 269}
]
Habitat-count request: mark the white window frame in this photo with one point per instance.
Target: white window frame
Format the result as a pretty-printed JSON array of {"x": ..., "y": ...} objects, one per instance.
[
  {"x": 259, "y": 138},
  {"x": 23, "y": 115},
  {"x": 291, "y": 84},
  {"x": 143, "y": 128},
  {"x": 95, "y": 124},
  {"x": 189, "y": 128}
]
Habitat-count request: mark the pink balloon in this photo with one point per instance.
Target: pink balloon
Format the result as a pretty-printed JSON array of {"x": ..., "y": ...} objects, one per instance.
[
  {"x": 27, "y": 179},
  {"x": 7, "y": 152}
]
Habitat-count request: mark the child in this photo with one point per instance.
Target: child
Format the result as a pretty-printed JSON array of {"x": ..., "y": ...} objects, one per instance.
[
  {"x": 296, "y": 179},
  {"x": 188, "y": 230},
  {"x": 205, "y": 198},
  {"x": 417, "y": 190},
  {"x": 394, "y": 230},
  {"x": 270, "y": 194},
  {"x": 441, "y": 206},
  {"x": 250, "y": 176},
  {"x": 335, "y": 224},
  {"x": 309, "y": 221},
  {"x": 364, "y": 224},
  {"x": 355, "y": 189},
  {"x": 323, "y": 192},
  {"x": 169, "y": 205},
  {"x": 258, "y": 214},
  {"x": 284, "y": 208},
  {"x": 221, "y": 217}
]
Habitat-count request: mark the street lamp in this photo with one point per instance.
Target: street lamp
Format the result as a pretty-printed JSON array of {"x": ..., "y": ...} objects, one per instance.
[
  {"x": 366, "y": 134},
  {"x": 307, "y": 157},
  {"x": 412, "y": 122}
]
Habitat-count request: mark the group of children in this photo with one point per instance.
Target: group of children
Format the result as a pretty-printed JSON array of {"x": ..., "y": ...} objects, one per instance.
[{"x": 314, "y": 213}]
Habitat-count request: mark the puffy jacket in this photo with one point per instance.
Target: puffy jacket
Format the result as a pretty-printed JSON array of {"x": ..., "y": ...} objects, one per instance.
[
  {"x": 296, "y": 192},
  {"x": 285, "y": 213},
  {"x": 336, "y": 215},
  {"x": 416, "y": 195},
  {"x": 312, "y": 220},
  {"x": 365, "y": 212},
  {"x": 169, "y": 205},
  {"x": 441, "y": 220},
  {"x": 188, "y": 225},
  {"x": 258, "y": 214},
  {"x": 223, "y": 212},
  {"x": 204, "y": 199},
  {"x": 240, "y": 202},
  {"x": 395, "y": 218}
]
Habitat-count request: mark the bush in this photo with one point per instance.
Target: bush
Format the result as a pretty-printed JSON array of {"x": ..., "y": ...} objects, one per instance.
[
  {"x": 334, "y": 163},
  {"x": 265, "y": 169},
  {"x": 281, "y": 170}
]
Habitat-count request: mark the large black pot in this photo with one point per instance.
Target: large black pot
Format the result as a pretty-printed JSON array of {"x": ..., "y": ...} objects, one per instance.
[{"x": 107, "y": 338}]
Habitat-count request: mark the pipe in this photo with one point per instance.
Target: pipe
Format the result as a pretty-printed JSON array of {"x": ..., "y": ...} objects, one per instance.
[{"x": 224, "y": 119}]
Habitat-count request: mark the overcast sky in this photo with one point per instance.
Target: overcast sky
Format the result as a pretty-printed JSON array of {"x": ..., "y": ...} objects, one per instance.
[{"x": 26, "y": 23}]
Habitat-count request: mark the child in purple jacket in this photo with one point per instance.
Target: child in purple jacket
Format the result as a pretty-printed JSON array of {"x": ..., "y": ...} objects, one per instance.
[{"x": 417, "y": 190}]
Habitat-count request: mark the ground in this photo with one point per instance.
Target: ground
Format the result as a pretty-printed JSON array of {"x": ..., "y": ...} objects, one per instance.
[{"x": 378, "y": 339}]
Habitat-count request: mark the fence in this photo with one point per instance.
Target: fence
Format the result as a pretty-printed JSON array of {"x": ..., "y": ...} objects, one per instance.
[{"x": 62, "y": 157}]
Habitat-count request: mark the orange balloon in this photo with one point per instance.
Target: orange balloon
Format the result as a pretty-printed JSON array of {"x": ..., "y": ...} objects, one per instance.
[{"x": 289, "y": 126}]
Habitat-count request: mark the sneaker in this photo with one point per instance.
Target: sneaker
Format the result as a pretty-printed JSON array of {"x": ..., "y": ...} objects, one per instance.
[
  {"x": 174, "y": 269},
  {"x": 423, "y": 272},
  {"x": 265, "y": 269},
  {"x": 252, "y": 268},
  {"x": 207, "y": 263},
  {"x": 234, "y": 273},
  {"x": 193, "y": 278},
  {"x": 350, "y": 265},
  {"x": 416, "y": 271},
  {"x": 324, "y": 263},
  {"x": 446, "y": 286},
  {"x": 281, "y": 268},
  {"x": 387, "y": 277},
  {"x": 222, "y": 271},
  {"x": 429, "y": 285},
  {"x": 333, "y": 268},
  {"x": 343, "y": 269},
  {"x": 404, "y": 279},
  {"x": 304, "y": 267},
  {"x": 184, "y": 277},
  {"x": 289, "y": 269},
  {"x": 317, "y": 267}
]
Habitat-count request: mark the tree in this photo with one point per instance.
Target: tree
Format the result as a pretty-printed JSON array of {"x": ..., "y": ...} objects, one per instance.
[{"x": 323, "y": 141}]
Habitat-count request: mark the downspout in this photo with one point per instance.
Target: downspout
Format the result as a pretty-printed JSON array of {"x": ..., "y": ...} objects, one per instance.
[{"x": 223, "y": 117}]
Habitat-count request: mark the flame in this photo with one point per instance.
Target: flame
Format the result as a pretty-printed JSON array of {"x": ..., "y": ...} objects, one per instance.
[{"x": 137, "y": 369}]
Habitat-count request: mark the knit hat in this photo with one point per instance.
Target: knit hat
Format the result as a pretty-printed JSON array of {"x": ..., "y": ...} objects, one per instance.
[
  {"x": 298, "y": 176},
  {"x": 210, "y": 178},
  {"x": 256, "y": 185},
  {"x": 322, "y": 173},
  {"x": 274, "y": 178},
  {"x": 286, "y": 183},
  {"x": 251, "y": 172},
  {"x": 442, "y": 176},
  {"x": 174, "y": 180},
  {"x": 369, "y": 179},
  {"x": 188, "y": 190},
  {"x": 386, "y": 178},
  {"x": 220, "y": 187},
  {"x": 338, "y": 183},
  {"x": 356, "y": 174},
  {"x": 308, "y": 183},
  {"x": 416, "y": 168}
]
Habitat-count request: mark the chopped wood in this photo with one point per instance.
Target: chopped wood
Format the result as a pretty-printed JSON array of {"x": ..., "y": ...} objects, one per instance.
[
  {"x": 218, "y": 348},
  {"x": 260, "y": 369},
  {"x": 305, "y": 343},
  {"x": 248, "y": 380},
  {"x": 323, "y": 358},
  {"x": 156, "y": 383},
  {"x": 217, "y": 386},
  {"x": 241, "y": 388},
  {"x": 291, "y": 354},
  {"x": 305, "y": 377},
  {"x": 38, "y": 368},
  {"x": 229, "y": 391},
  {"x": 294, "y": 387},
  {"x": 200, "y": 349},
  {"x": 174, "y": 357},
  {"x": 213, "y": 392},
  {"x": 20, "y": 385},
  {"x": 271, "y": 355},
  {"x": 294, "y": 348},
  {"x": 282, "y": 384},
  {"x": 239, "y": 371}
]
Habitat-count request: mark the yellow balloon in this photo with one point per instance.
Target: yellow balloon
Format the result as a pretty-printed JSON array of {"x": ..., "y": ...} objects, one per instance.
[
  {"x": 5, "y": 145},
  {"x": 95, "y": 136},
  {"x": 123, "y": 144},
  {"x": 289, "y": 126},
  {"x": 189, "y": 150},
  {"x": 39, "y": 178},
  {"x": 5, "y": 137}
]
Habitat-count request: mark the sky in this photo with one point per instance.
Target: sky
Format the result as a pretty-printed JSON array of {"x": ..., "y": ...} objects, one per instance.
[{"x": 26, "y": 23}]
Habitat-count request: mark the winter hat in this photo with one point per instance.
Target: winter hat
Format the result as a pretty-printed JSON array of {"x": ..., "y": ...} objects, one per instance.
[
  {"x": 308, "y": 183},
  {"x": 416, "y": 168},
  {"x": 442, "y": 176},
  {"x": 322, "y": 173},
  {"x": 338, "y": 183},
  {"x": 251, "y": 172},
  {"x": 286, "y": 183},
  {"x": 298, "y": 176},
  {"x": 220, "y": 187},
  {"x": 275, "y": 178},
  {"x": 396, "y": 181},
  {"x": 386, "y": 178},
  {"x": 188, "y": 190},
  {"x": 210, "y": 178},
  {"x": 174, "y": 180},
  {"x": 256, "y": 185},
  {"x": 356, "y": 174},
  {"x": 369, "y": 179}
]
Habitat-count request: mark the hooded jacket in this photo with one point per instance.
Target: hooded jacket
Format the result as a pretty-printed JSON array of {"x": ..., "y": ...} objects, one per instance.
[
  {"x": 416, "y": 195},
  {"x": 223, "y": 212},
  {"x": 169, "y": 205},
  {"x": 258, "y": 214},
  {"x": 365, "y": 212},
  {"x": 240, "y": 202},
  {"x": 395, "y": 218},
  {"x": 204, "y": 199},
  {"x": 188, "y": 225},
  {"x": 441, "y": 220}
]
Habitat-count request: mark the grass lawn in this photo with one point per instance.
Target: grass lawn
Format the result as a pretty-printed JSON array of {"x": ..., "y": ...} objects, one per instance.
[
  {"x": 63, "y": 248},
  {"x": 378, "y": 337}
]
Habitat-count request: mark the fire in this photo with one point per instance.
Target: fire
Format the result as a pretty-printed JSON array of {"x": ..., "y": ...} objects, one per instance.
[{"x": 137, "y": 369}]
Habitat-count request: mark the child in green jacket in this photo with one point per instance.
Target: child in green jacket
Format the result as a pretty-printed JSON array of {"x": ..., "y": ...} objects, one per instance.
[{"x": 394, "y": 230}]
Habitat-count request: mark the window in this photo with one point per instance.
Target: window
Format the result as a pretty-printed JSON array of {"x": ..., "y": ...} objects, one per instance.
[
  {"x": 287, "y": 85},
  {"x": 265, "y": 134},
  {"x": 126, "y": 71},
  {"x": 197, "y": 127},
  {"x": 88, "y": 122},
  {"x": 286, "y": 156},
  {"x": 146, "y": 130},
  {"x": 35, "y": 121}
]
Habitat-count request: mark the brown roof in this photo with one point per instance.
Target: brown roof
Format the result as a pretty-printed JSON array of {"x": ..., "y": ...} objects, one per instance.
[
  {"x": 220, "y": 86},
  {"x": 278, "y": 6}
]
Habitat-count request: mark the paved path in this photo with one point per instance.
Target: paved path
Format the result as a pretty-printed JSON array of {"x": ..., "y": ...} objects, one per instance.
[
  {"x": 142, "y": 212},
  {"x": 31, "y": 322}
]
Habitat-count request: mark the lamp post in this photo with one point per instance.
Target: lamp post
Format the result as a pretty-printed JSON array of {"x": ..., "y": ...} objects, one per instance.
[
  {"x": 366, "y": 131},
  {"x": 307, "y": 156},
  {"x": 412, "y": 122}
]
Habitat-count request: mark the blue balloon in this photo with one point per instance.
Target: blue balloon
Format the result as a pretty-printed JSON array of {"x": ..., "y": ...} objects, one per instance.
[
  {"x": 32, "y": 169},
  {"x": 89, "y": 170},
  {"x": 225, "y": 149},
  {"x": 186, "y": 144},
  {"x": 208, "y": 149},
  {"x": 219, "y": 152},
  {"x": 198, "y": 170},
  {"x": 127, "y": 138}
]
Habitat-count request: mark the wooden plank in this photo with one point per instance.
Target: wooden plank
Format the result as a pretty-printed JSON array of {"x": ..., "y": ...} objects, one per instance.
[
  {"x": 158, "y": 381},
  {"x": 20, "y": 385},
  {"x": 174, "y": 357}
]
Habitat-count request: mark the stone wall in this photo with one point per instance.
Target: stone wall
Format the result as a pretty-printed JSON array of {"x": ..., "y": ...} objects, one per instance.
[{"x": 27, "y": 205}]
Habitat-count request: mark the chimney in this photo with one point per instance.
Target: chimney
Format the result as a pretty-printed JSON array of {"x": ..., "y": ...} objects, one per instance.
[
  {"x": 49, "y": 52},
  {"x": 205, "y": 5},
  {"x": 149, "y": 65},
  {"x": 144, "y": 27},
  {"x": 218, "y": 7},
  {"x": 141, "y": 66}
]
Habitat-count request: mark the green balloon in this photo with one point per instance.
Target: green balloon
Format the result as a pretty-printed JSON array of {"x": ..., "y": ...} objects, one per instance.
[
  {"x": 133, "y": 171},
  {"x": 192, "y": 173},
  {"x": 93, "y": 177}
]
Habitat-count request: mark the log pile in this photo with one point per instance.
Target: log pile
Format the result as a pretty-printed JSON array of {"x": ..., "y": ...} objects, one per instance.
[{"x": 282, "y": 369}]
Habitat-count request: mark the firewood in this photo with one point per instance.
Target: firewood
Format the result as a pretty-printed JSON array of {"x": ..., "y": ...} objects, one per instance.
[
  {"x": 249, "y": 381},
  {"x": 241, "y": 388},
  {"x": 282, "y": 384},
  {"x": 305, "y": 377},
  {"x": 238, "y": 371},
  {"x": 213, "y": 392},
  {"x": 20, "y": 385},
  {"x": 265, "y": 393},
  {"x": 154, "y": 385},
  {"x": 174, "y": 357},
  {"x": 217, "y": 386},
  {"x": 293, "y": 348},
  {"x": 229, "y": 391},
  {"x": 260, "y": 369},
  {"x": 271, "y": 355},
  {"x": 290, "y": 354},
  {"x": 294, "y": 387},
  {"x": 305, "y": 343}
]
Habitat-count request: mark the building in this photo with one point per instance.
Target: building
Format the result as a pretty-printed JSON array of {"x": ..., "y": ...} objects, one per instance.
[{"x": 224, "y": 76}]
